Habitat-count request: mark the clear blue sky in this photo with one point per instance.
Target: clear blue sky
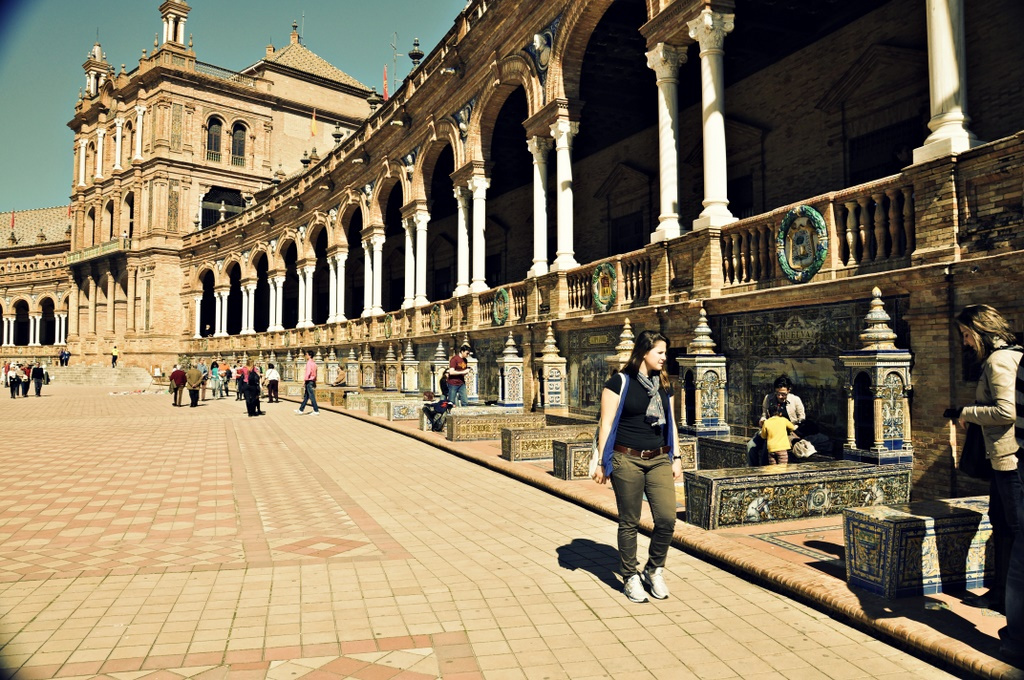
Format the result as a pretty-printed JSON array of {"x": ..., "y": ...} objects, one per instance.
[{"x": 43, "y": 44}]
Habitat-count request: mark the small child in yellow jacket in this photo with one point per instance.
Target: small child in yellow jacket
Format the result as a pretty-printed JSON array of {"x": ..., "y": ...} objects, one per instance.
[{"x": 775, "y": 432}]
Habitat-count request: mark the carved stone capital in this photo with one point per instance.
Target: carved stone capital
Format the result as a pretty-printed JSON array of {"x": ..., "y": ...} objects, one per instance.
[
  {"x": 710, "y": 28},
  {"x": 563, "y": 130},
  {"x": 665, "y": 60},
  {"x": 539, "y": 147}
]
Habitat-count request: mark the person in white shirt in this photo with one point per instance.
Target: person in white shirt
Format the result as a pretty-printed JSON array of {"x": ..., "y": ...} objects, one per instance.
[{"x": 273, "y": 378}]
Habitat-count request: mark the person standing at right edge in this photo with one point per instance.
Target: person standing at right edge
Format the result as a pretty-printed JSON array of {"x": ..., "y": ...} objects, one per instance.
[
  {"x": 986, "y": 333},
  {"x": 309, "y": 386},
  {"x": 1012, "y": 636},
  {"x": 458, "y": 369},
  {"x": 637, "y": 438}
]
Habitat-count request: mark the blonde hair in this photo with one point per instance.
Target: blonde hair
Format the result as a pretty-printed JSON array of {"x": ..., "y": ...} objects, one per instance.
[{"x": 985, "y": 325}]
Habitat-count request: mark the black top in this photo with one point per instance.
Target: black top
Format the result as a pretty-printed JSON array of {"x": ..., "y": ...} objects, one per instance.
[{"x": 633, "y": 430}]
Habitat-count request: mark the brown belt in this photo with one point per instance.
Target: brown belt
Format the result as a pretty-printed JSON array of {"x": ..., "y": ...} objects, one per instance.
[{"x": 646, "y": 454}]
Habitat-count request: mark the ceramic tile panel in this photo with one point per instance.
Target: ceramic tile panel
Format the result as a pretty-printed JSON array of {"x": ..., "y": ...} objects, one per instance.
[{"x": 535, "y": 444}]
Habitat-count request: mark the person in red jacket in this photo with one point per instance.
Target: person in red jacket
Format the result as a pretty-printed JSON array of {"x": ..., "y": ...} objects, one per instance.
[{"x": 177, "y": 384}]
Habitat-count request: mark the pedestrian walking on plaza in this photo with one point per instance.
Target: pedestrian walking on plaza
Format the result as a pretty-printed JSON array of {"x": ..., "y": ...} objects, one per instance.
[
  {"x": 193, "y": 380},
  {"x": 38, "y": 376},
  {"x": 113, "y": 357},
  {"x": 6, "y": 370},
  {"x": 637, "y": 440},
  {"x": 252, "y": 392},
  {"x": 458, "y": 369},
  {"x": 14, "y": 380},
  {"x": 206, "y": 377},
  {"x": 273, "y": 380},
  {"x": 987, "y": 334},
  {"x": 177, "y": 384},
  {"x": 226, "y": 377},
  {"x": 24, "y": 374},
  {"x": 240, "y": 375},
  {"x": 215, "y": 383},
  {"x": 309, "y": 385}
]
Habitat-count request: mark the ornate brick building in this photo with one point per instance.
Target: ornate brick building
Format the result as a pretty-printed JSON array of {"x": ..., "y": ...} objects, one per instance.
[{"x": 577, "y": 163}]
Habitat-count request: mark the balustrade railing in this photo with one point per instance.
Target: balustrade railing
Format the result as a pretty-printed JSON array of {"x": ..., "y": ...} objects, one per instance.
[
  {"x": 870, "y": 226},
  {"x": 634, "y": 273}
]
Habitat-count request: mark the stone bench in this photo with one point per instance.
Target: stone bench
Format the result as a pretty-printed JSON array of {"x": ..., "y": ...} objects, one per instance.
[
  {"x": 717, "y": 499},
  {"x": 730, "y": 451},
  {"x": 364, "y": 401},
  {"x": 462, "y": 427},
  {"x": 535, "y": 444},
  {"x": 474, "y": 411},
  {"x": 398, "y": 408},
  {"x": 919, "y": 548},
  {"x": 571, "y": 459}
]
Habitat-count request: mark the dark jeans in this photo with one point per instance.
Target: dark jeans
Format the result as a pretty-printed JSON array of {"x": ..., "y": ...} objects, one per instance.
[
  {"x": 14, "y": 388},
  {"x": 239, "y": 389},
  {"x": 39, "y": 386},
  {"x": 272, "y": 391},
  {"x": 631, "y": 479},
  {"x": 177, "y": 394},
  {"x": 24, "y": 388},
  {"x": 1006, "y": 512},
  {"x": 193, "y": 397},
  {"x": 309, "y": 394},
  {"x": 113, "y": 362},
  {"x": 252, "y": 401},
  {"x": 458, "y": 394}
]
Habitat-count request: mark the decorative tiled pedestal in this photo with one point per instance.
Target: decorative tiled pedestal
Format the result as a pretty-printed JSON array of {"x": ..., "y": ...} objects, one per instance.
[
  {"x": 473, "y": 411},
  {"x": 919, "y": 548},
  {"x": 572, "y": 459},
  {"x": 535, "y": 444},
  {"x": 733, "y": 496},
  {"x": 404, "y": 409},
  {"x": 717, "y": 453},
  {"x": 462, "y": 427},
  {"x": 383, "y": 408}
]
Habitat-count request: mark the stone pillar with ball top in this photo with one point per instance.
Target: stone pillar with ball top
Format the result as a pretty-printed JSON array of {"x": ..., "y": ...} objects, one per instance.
[
  {"x": 392, "y": 371},
  {"x": 878, "y": 385},
  {"x": 472, "y": 384},
  {"x": 332, "y": 367},
  {"x": 410, "y": 371},
  {"x": 552, "y": 377},
  {"x": 438, "y": 366},
  {"x": 618, "y": 361},
  {"x": 510, "y": 370},
  {"x": 367, "y": 369},
  {"x": 352, "y": 369},
  {"x": 704, "y": 379}
]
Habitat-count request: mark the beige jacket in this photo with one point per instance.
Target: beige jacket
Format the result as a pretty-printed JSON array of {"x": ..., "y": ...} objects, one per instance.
[{"x": 996, "y": 409}]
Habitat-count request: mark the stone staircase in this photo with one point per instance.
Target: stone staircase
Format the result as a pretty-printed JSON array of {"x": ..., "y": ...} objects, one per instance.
[{"x": 123, "y": 376}]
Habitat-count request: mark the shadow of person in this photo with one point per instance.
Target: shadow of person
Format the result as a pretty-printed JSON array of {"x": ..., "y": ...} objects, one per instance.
[{"x": 599, "y": 559}]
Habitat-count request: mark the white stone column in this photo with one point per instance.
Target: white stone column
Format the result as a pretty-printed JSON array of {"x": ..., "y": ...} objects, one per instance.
[
  {"x": 339, "y": 310},
  {"x": 478, "y": 184},
  {"x": 563, "y": 130},
  {"x": 35, "y": 327},
  {"x": 165, "y": 23},
  {"x": 219, "y": 327},
  {"x": 140, "y": 111},
  {"x": 539, "y": 148},
  {"x": 309, "y": 294},
  {"x": 100, "y": 134},
  {"x": 462, "y": 243},
  {"x": 409, "y": 227},
  {"x": 332, "y": 289},
  {"x": 74, "y": 308},
  {"x": 130, "y": 302},
  {"x": 272, "y": 304},
  {"x": 111, "y": 294},
  {"x": 710, "y": 29},
  {"x": 224, "y": 310},
  {"x": 251, "y": 309},
  {"x": 246, "y": 301},
  {"x": 378, "y": 269},
  {"x": 277, "y": 309},
  {"x": 665, "y": 59},
  {"x": 3, "y": 340},
  {"x": 302, "y": 323},
  {"x": 422, "y": 219},
  {"x": 367, "y": 278},
  {"x": 82, "y": 143},
  {"x": 118, "y": 123},
  {"x": 947, "y": 82},
  {"x": 199, "y": 313},
  {"x": 181, "y": 30}
]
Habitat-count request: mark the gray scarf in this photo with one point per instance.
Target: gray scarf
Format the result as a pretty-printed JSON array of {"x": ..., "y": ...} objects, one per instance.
[{"x": 655, "y": 409}]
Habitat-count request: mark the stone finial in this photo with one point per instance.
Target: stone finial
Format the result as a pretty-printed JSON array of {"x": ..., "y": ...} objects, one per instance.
[
  {"x": 877, "y": 334},
  {"x": 390, "y": 356},
  {"x": 364, "y": 355},
  {"x": 331, "y": 356},
  {"x": 465, "y": 340},
  {"x": 625, "y": 345},
  {"x": 510, "y": 348},
  {"x": 351, "y": 353},
  {"x": 550, "y": 347},
  {"x": 702, "y": 342},
  {"x": 409, "y": 354},
  {"x": 440, "y": 354}
]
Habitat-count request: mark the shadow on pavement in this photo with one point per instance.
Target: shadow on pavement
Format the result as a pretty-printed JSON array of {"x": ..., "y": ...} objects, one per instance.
[{"x": 599, "y": 559}]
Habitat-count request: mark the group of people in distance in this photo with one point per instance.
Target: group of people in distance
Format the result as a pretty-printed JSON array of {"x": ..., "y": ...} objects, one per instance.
[
  {"x": 249, "y": 383},
  {"x": 19, "y": 377}
]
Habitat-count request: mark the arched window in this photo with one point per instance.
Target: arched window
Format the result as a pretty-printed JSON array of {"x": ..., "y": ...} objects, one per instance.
[
  {"x": 238, "y": 145},
  {"x": 214, "y": 131}
]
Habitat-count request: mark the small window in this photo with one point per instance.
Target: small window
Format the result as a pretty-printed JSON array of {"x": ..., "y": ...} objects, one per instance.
[
  {"x": 213, "y": 134},
  {"x": 238, "y": 145}
]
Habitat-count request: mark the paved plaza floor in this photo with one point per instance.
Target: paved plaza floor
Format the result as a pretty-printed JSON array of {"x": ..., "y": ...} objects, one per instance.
[{"x": 138, "y": 540}]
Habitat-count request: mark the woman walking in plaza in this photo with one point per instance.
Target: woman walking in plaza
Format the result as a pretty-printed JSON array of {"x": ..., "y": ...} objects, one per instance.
[
  {"x": 252, "y": 391},
  {"x": 637, "y": 438},
  {"x": 215, "y": 384},
  {"x": 987, "y": 334}
]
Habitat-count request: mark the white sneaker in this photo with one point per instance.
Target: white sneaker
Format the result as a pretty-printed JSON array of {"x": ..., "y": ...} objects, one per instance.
[
  {"x": 655, "y": 582},
  {"x": 634, "y": 590},
  {"x": 315, "y": 413},
  {"x": 300, "y": 411}
]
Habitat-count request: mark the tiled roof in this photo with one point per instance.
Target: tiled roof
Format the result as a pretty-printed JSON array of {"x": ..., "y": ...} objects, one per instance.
[
  {"x": 52, "y": 222},
  {"x": 298, "y": 57}
]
